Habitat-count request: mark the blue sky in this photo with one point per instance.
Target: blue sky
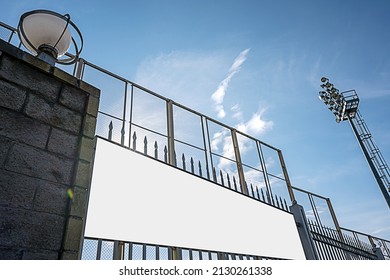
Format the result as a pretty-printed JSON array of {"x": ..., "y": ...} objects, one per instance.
[{"x": 256, "y": 65}]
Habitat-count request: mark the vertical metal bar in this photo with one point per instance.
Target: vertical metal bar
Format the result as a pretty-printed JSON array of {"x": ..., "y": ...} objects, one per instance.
[
  {"x": 176, "y": 253},
  {"x": 183, "y": 160},
  {"x": 340, "y": 253},
  {"x": 155, "y": 150},
  {"x": 80, "y": 69},
  {"x": 264, "y": 168},
  {"x": 237, "y": 154},
  {"x": 384, "y": 245},
  {"x": 170, "y": 133},
  {"x": 314, "y": 207},
  {"x": 130, "y": 257},
  {"x": 121, "y": 250},
  {"x": 123, "y": 130},
  {"x": 334, "y": 218},
  {"x": 110, "y": 127},
  {"x": 157, "y": 252},
  {"x": 288, "y": 182},
  {"x": 358, "y": 242},
  {"x": 234, "y": 183},
  {"x": 330, "y": 243},
  {"x": 204, "y": 119},
  {"x": 10, "y": 36},
  {"x": 143, "y": 251},
  {"x": 131, "y": 112},
  {"x": 221, "y": 175},
  {"x": 192, "y": 166},
  {"x": 145, "y": 146},
  {"x": 99, "y": 249},
  {"x": 115, "y": 254}
]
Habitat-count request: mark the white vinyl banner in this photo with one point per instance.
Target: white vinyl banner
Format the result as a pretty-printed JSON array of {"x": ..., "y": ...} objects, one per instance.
[{"x": 139, "y": 199}]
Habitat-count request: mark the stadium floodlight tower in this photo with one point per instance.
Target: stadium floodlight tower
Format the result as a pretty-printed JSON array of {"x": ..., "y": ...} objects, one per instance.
[{"x": 344, "y": 105}]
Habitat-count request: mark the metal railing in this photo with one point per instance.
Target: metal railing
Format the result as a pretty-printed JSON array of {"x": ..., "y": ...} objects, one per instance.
[
  {"x": 333, "y": 242},
  {"x": 163, "y": 125},
  {"x": 7, "y": 32},
  {"x": 101, "y": 249}
]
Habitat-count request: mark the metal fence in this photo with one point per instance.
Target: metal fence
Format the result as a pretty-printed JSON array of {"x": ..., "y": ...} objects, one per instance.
[
  {"x": 99, "y": 249},
  {"x": 333, "y": 242},
  {"x": 330, "y": 245}
]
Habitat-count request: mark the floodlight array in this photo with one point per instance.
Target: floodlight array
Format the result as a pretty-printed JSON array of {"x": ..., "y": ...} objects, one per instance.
[{"x": 332, "y": 98}]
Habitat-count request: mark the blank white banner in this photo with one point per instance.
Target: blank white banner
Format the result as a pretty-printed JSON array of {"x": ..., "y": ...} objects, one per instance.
[{"x": 138, "y": 199}]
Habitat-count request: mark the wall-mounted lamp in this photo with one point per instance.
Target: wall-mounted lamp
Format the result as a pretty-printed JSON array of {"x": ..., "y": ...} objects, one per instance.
[{"x": 47, "y": 34}]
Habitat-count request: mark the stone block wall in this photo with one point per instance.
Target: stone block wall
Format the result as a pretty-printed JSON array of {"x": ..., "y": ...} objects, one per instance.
[{"x": 47, "y": 129}]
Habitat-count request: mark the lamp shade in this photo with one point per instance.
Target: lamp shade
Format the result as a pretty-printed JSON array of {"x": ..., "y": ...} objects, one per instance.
[
  {"x": 48, "y": 32},
  {"x": 42, "y": 29}
]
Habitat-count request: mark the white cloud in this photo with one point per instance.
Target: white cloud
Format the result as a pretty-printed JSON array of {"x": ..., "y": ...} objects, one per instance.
[
  {"x": 184, "y": 76},
  {"x": 237, "y": 113},
  {"x": 217, "y": 140},
  {"x": 219, "y": 95},
  {"x": 256, "y": 125}
]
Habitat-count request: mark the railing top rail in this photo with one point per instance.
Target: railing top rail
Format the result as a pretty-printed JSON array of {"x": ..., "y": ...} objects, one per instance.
[
  {"x": 311, "y": 193},
  {"x": 365, "y": 234},
  {"x": 8, "y": 26}
]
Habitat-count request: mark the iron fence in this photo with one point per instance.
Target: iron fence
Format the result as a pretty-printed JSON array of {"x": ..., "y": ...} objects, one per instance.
[
  {"x": 330, "y": 245},
  {"x": 333, "y": 242}
]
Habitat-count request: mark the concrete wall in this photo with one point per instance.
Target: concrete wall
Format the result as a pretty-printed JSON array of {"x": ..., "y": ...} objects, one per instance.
[{"x": 47, "y": 129}]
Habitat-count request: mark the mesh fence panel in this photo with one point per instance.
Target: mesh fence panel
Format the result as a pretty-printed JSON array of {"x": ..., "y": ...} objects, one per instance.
[
  {"x": 164, "y": 254},
  {"x": 185, "y": 254},
  {"x": 107, "y": 252},
  {"x": 137, "y": 252},
  {"x": 151, "y": 252},
  {"x": 89, "y": 250}
]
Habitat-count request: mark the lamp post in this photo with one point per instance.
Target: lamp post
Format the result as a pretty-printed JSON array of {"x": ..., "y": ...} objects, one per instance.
[
  {"x": 47, "y": 35},
  {"x": 344, "y": 105}
]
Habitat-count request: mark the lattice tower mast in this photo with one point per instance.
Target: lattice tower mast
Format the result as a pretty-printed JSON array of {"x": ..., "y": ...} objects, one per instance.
[{"x": 344, "y": 105}]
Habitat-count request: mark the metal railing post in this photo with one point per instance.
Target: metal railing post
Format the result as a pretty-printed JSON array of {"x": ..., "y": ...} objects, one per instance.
[
  {"x": 377, "y": 251},
  {"x": 304, "y": 232},
  {"x": 80, "y": 68},
  {"x": 337, "y": 225},
  {"x": 237, "y": 154},
  {"x": 170, "y": 133},
  {"x": 288, "y": 182}
]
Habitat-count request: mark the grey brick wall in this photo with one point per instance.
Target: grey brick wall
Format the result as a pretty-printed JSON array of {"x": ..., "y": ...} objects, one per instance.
[{"x": 47, "y": 129}]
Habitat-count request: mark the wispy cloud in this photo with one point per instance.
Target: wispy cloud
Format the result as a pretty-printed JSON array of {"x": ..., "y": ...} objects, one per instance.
[
  {"x": 187, "y": 77},
  {"x": 256, "y": 124},
  {"x": 219, "y": 95},
  {"x": 222, "y": 143}
]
